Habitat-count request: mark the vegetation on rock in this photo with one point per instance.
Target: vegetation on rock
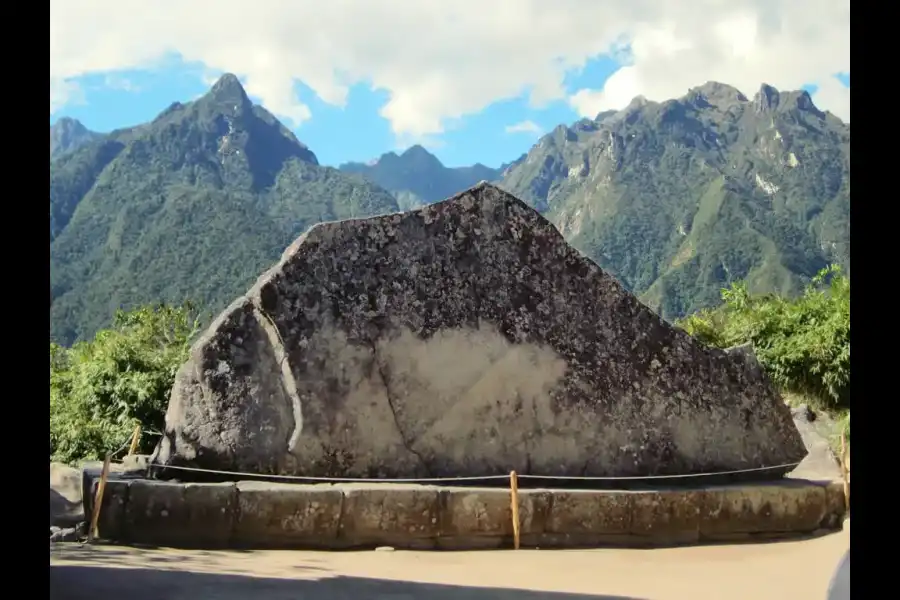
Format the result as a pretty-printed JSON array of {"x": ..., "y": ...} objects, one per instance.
[
  {"x": 803, "y": 342},
  {"x": 101, "y": 389}
]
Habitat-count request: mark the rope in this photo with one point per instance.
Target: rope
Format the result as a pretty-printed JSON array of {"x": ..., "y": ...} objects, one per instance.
[
  {"x": 467, "y": 478},
  {"x": 331, "y": 479},
  {"x": 633, "y": 477},
  {"x": 122, "y": 447},
  {"x": 128, "y": 442}
]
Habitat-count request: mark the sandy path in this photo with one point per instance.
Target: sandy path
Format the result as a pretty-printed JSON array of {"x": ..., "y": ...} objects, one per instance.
[{"x": 797, "y": 570}]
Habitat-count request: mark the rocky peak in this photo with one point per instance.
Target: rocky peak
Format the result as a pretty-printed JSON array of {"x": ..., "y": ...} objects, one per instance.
[
  {"x": 766, "y": 99},
  {"x": 421, "y": 157},
  {"x": 637, "y": 103},
  {"x": 67, "y": 134},
  {"x": 770, "y": 99},
  {"x": 68, "y": 125},
  {"x": 227, "y": 95},
  {"x": 630, "y": 112},
  {"x": 228, "y": 87},
  {"x": 800, "y": 100},
  {"x": 719, "y": 95}
]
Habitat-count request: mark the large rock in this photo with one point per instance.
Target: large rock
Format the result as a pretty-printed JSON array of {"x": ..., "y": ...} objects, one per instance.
[
  {"x": 65, "y": 496},
  {"x": 463, "y": 338}
]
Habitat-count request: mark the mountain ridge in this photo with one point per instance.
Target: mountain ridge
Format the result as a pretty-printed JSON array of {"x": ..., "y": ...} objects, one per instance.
[
  {"x": 655, "y": 191},
  {"x": 191, "y": 205},
  {"x": 676, "y": 198},
  {"x": 417, "y": 177}
]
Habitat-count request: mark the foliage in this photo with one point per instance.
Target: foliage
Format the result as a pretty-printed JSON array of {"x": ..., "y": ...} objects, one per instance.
[
  {"x": 804, "y": 343},
  {"x": 101, "y": 389}
]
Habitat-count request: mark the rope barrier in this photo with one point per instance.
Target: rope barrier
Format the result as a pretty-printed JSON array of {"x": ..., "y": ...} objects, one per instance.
[
  {"x": 131, "y": 440},
  {"x": 467, "y": 478},
  {"x": 331, "y": 479},
  {"x": 634, "y": 477}
]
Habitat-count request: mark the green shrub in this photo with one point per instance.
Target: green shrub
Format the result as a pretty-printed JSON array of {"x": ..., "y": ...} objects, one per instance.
[
  {"x": 101, "y": 389},
  {"x": 803, "y": 343}
]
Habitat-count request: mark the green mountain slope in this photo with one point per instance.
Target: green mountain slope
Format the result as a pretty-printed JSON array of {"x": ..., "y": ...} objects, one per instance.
[
  {"x": 417, "y": 177},
  {"x": 193, "y": 205},
  {"x": 679, "y": 198}
]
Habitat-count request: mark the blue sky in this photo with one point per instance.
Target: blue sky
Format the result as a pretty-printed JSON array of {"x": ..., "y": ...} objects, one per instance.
[{"x": 355, "y": 132}]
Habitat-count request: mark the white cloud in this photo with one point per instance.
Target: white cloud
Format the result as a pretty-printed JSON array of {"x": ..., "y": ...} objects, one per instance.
[
  {"x": 441, "y": 60},
  {"x": 64, "y": 92},
  {"x": 834, "y": 96},
  {"x": 742, "y": 43},
  {"x": 524, "y": 127}
]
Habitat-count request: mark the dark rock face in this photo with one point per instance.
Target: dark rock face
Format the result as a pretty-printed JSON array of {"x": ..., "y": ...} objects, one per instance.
[{"x": 462, "y": 339}]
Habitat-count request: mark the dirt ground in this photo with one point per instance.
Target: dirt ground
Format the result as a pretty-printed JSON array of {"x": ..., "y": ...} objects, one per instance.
[{"x": 797, "y": 570}]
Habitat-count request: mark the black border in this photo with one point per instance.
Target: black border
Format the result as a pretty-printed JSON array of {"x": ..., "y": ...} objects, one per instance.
[{"x": 866, "y": 217}]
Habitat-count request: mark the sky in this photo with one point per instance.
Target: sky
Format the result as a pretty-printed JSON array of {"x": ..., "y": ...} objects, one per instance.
[{"x": 471, "y": 80}]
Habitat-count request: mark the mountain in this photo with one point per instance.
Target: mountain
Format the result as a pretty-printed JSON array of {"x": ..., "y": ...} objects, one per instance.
[
  {"x": 193, "y": 205},
  {"x": 417, "y": 177},
  {"x": 68, "y": 134},
  {"x": 678, "y": 198}
]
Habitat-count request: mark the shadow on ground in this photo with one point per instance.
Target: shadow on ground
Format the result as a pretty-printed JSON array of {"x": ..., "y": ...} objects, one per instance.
[
  {"x": 156, "y": 558},
  {"x": 71, "y": 582}
]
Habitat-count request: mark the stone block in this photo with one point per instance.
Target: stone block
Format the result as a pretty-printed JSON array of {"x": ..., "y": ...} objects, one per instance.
[
  {"x": 835, "y": 506},
  {"x": 183, "y": 515},
  {"x": 275, "y": 515},
  {"x": 665, "y": 517},
  {"x": 729, "y": 512},
  {"x": 111, "y": 525},
  {"x": 588, "y": 518},
  {"x": 482, "y": 517},
  {"x": 405, "y": 516}
]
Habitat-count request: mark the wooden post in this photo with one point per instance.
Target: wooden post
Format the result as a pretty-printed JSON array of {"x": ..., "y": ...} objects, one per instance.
[
  {"x": 845, "y": 471},
  {"x": 135, "y": 438},
  {"x": 514, "y": 504},
  {"x": 98, "y": 500}
]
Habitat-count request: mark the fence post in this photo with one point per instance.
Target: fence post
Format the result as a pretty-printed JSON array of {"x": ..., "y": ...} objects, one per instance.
[
  {"x": 514, "y": 505},
  {"x": 98, "y": 500},
  {"x": 135, "y": 438}
]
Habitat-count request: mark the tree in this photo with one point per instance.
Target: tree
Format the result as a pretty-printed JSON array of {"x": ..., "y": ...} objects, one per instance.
[
  {"x": 101, "y": 389},
  {"x": 803, "y": 343}
]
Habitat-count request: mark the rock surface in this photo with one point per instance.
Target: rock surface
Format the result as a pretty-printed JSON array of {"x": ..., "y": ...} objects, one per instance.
[
  {"x": 65, "y": 496},
  {"x": 69, "y": 534},
  {"x": 466, "y": 338},
  {"x": 815, "y": 429}
]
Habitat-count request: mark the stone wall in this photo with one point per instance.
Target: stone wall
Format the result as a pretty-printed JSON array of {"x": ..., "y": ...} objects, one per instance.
[{"x": 270, "y": 515}]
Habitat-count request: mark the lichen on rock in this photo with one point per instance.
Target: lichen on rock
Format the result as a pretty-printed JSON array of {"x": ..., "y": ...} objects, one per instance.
[{"x": 464, "y": 338}]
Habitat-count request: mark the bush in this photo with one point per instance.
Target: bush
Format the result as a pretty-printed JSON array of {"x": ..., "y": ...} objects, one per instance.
[
  {"x": 101, "y": 389},
  {"x": 803, "y": 343}
]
